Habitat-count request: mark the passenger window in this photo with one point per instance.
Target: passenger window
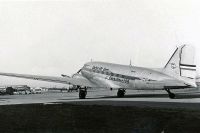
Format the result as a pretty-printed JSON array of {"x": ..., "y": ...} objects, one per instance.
[{"x": 122, "y": 76}]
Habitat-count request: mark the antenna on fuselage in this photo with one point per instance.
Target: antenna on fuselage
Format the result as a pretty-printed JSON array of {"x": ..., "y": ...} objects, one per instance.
[{"x": 130, "y": 63}]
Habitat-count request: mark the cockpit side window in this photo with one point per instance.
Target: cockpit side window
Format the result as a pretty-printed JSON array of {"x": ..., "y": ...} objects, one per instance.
[{"x": 86, "y": 66}]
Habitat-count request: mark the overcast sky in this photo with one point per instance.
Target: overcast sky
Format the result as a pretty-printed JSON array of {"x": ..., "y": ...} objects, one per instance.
[{"x": 53, "y": 38}]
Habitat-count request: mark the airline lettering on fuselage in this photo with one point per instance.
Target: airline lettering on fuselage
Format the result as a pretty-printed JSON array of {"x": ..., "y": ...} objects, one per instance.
[
  {"x": 173, "y": 65},
  {"x": 126, "y": 81},
  {"x": 111, "y": 76},
  {"x": 100, "y": 69}
]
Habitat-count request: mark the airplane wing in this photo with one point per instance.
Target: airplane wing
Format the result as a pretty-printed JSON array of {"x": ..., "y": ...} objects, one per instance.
[
  {"x": 74, "y": 80},
  {"x": 65, "y": 80}
]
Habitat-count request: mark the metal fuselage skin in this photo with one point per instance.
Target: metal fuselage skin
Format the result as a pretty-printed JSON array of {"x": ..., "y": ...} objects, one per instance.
[{"x": 108, "y": 75}]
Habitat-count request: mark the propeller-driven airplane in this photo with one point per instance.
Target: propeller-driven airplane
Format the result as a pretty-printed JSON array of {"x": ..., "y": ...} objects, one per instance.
[{"x": 178, "y": 73}]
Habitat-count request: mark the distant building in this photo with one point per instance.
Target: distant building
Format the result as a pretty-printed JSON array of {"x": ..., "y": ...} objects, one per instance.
[
  {"x": 21, "y": 89},
  {"x": 15, "y": 89}
]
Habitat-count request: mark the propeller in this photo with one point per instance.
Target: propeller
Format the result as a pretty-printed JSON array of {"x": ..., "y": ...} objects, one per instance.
[
  {"x": 79, "y": 71},
  {"x": 63, "y": 75}
]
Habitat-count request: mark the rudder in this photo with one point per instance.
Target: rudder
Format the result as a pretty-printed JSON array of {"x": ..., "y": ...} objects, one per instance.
[{"x": 182, "y": 62}]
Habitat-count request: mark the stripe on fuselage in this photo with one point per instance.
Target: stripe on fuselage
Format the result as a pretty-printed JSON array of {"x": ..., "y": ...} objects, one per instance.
[{"x": 109, "y": 73}]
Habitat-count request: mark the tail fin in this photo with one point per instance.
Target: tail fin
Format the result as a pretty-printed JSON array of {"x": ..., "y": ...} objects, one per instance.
[{"x": 182, "y": 64}]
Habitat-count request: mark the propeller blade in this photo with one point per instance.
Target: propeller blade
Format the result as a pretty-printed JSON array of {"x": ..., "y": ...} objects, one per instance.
[{"x": 79, "y": 71}]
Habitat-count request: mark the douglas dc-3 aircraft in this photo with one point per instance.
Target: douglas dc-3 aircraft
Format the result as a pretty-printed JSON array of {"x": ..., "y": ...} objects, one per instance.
[{"x": 178, "y": 73}]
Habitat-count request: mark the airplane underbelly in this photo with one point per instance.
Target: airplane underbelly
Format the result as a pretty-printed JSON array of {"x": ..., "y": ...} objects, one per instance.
[{"x": 148, "y": 85}]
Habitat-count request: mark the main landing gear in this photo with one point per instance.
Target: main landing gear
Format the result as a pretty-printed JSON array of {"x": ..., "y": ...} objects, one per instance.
[
  {"x": 171, "y": 95},
  {"x": 82, "y": 93},
  {"x": 121, "y": 92}
]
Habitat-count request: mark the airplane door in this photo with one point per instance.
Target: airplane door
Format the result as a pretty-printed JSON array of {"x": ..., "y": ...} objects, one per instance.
[{"x": 132, "y": 82}]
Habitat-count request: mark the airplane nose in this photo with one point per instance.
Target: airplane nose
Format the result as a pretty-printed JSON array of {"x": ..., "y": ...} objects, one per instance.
[{"x": 87, "y": 74}]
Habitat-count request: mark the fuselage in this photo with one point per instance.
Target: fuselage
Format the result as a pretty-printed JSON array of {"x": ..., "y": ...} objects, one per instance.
[{"x": 124, "y": 76}]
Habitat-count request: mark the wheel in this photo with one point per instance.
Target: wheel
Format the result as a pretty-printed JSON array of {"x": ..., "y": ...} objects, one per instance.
[
  {"x": 82, "y": 94},
  {"x": 171, "y": 95},
  {"x": 120, "y": 93}
]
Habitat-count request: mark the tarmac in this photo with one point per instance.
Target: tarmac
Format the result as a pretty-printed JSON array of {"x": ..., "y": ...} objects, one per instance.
[
  {"x": 101, "y": 112},
  {"x": 103, "y": 96}
]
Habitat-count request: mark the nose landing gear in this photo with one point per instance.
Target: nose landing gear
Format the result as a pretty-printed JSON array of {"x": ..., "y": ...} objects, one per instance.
[{"x": 82, "y": 93}]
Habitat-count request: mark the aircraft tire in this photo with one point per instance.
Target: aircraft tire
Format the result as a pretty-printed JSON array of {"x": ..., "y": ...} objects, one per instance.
[
  {"x": 120, "y": 93},
  {"x": 82, "y": 94}
]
